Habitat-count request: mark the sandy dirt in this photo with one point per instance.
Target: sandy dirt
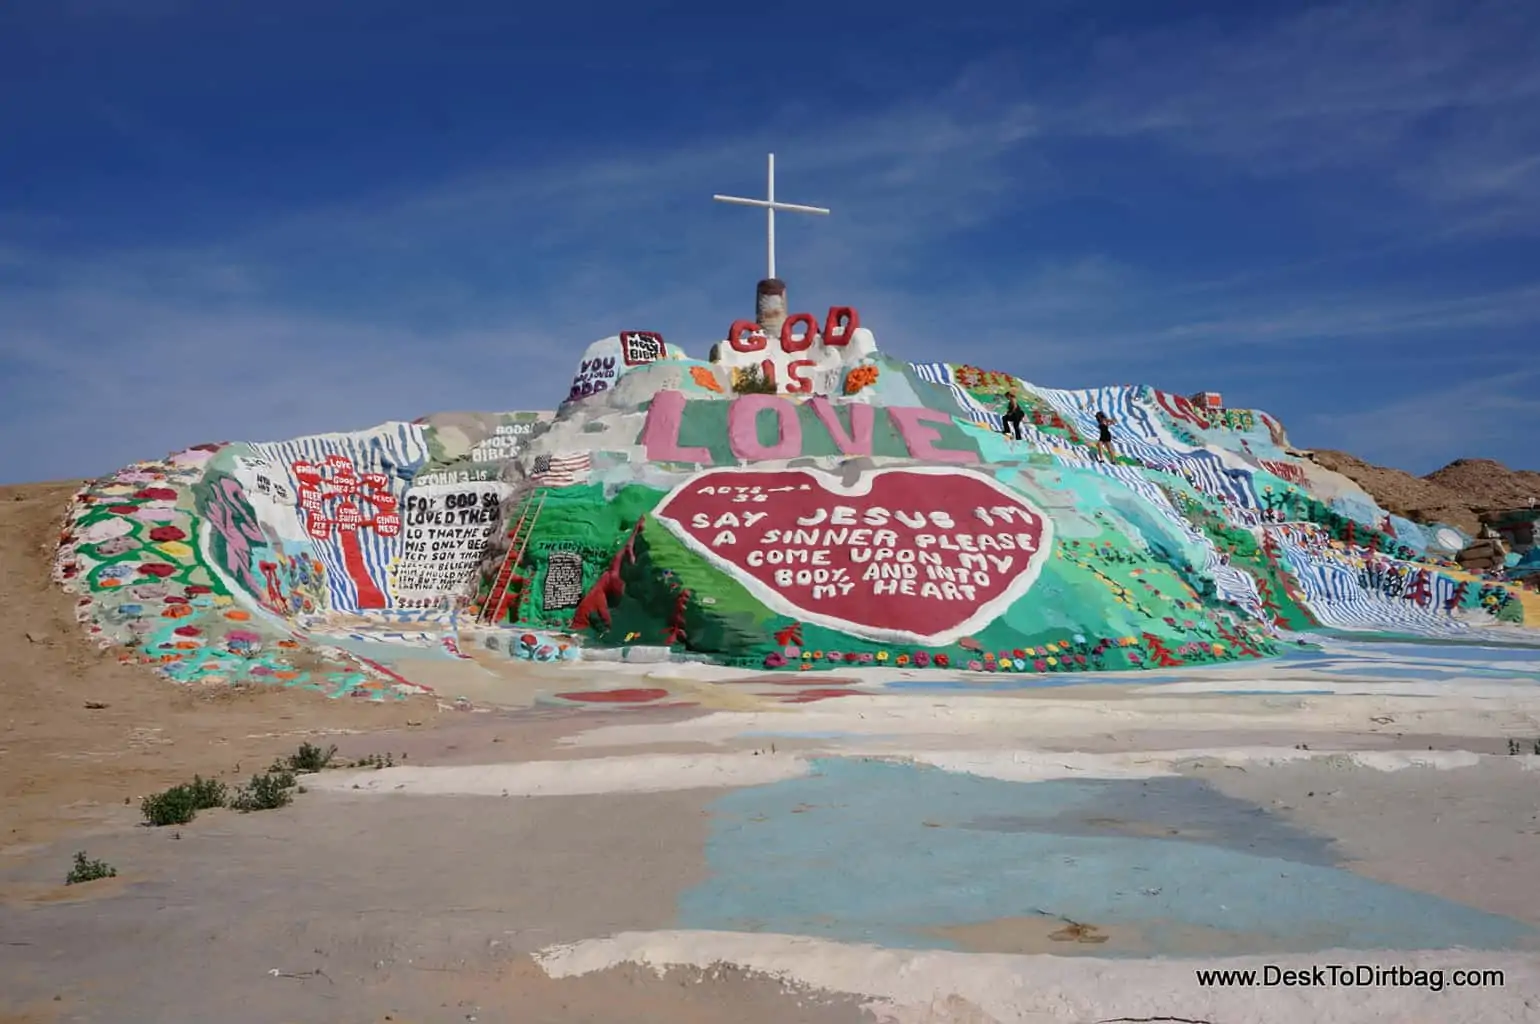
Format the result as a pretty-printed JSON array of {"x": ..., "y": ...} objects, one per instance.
[
  {"x": 360, "y": 914},
  {"x": 64, "y": 764}
]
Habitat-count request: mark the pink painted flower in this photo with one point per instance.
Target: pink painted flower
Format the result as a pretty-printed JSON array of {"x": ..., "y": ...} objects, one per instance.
[
  {"x": 775, "y": 659},
  {"x": 1040, "y": 665},
  {"x": 921, "y": 659},
  {"x": 975, "y": 665}
]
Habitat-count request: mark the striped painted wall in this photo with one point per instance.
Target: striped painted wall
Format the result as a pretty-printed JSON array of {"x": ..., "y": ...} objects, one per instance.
[{"x": 398, "y": 450}]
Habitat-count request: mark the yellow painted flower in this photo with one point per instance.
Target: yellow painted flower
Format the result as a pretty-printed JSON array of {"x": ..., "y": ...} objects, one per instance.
[
  {"x": 810, "y": 655},
  {"x": 175, "y": 549},
  {"x": 1053, "y": 661},
  {"x": 882, "y": 655}
]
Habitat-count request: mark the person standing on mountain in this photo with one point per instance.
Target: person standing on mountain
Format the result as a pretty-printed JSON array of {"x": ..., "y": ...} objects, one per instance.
[
  {"x": 1014, "y": 414},
  {"x": 1104, "y": 436}
]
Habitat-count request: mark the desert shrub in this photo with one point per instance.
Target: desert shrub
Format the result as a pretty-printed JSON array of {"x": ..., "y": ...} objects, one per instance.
[
  {"x": 181, "y": 804},
  {"x": 309, "y": 758},
  {"x": 89, "y": 870},
  {"x": 265, "y": 792}
]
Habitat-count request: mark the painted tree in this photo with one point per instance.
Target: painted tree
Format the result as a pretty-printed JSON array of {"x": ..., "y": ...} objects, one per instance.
[{"x": 337, "y": 502}]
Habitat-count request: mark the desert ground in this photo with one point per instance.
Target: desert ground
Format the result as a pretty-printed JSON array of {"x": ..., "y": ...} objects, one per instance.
[{"x": 947, "y": 855}]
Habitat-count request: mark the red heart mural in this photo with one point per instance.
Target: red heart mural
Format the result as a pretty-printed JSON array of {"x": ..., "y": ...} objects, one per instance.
[{"x": 922, "y": 555}]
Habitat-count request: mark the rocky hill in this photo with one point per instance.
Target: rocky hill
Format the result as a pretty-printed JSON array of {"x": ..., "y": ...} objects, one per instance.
[{"x": 1456, "y": 494}]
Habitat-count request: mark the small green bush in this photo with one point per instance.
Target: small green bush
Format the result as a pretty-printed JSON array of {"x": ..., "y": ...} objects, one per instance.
[
  {"x": 181, "y": 804},
  {"x": 309, "y": 758},
  {"x": 264, "y": 792},
  {"x": 89, "y": 870}
]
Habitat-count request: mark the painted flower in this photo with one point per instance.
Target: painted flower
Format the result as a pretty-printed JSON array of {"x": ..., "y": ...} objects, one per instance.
[
  {"x": 1080, "y": 659},
  {"x": 834, "y": 655},
  {"x": 792, "y": 651},
  {"x": 775, "y": 659},
  {"x": 160, "y": 570},
  {"x": 1133, "y": 656},
  {"x": 942, "y": 660},
  {"x": 852, "y": 657},
  {"x": 866, "y": 657},
  {"x": 1018, "y": 653},
  {"x": 882, "y": 656},
  {"x": 921, "y": 659},
  {"x": 705, "y": 378},
  {"x": 989, "y": 655},
  {"x": 1079, "y": 639},
  {"x": 817, "y": 655},
  {"x": 156, "y": 494},
  {"x": 901, "y": 660},
  {"x": 1217, "y": 648},
  {"x": 1040, "y": 665},
  {"x": 1053, "y": 661},
  {"x": 809, "y": 655},
  {"x": 167, "y": 533},
  {"x": 975, "y": 665}
]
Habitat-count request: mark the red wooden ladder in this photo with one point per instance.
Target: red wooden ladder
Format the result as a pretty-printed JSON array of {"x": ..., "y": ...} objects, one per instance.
[{"x": 518, "y": 540}]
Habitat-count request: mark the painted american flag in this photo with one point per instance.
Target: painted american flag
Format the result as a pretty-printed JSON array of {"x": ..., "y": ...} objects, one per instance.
[{"x": 561, "y": 470}]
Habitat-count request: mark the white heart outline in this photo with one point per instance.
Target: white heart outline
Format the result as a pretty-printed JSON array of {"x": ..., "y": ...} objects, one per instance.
[{"x": 832, "y": 484}]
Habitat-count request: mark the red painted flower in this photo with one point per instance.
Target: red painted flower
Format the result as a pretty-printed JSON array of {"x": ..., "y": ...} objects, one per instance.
[
  {"x": 156, "y": 494},
  {"x": 1018, "y": 653},
  {"x": 187, "y": 631},
  {"x": 159, "y": 569},
  {"x": 122, "y": 510},
  {"x": 942, "y": 661},
  {"x": 161, "y": 534},
  {"x": 173, "y": 599},
  {"x": 921, "y": 659},
  {"x": 195, "y": 589}
]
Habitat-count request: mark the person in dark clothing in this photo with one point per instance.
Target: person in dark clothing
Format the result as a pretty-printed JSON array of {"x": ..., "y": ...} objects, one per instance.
[
  {"x": 1014, "y": 414},
  {"x": 1104, "y": 436}
]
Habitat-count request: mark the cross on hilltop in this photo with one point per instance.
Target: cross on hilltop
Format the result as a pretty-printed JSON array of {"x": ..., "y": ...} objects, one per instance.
[{"x": 770, "y": 206}]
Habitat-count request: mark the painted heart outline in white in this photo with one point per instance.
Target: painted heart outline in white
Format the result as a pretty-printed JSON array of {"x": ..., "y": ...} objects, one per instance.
[{"x": 831, "y": 484}]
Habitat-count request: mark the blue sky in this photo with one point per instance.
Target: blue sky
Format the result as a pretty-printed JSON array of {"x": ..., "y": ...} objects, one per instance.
[{"x": 227, "y": 220}]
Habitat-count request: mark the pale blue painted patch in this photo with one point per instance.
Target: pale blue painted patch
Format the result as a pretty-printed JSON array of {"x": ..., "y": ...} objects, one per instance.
[{"x": 865, "y": 851}]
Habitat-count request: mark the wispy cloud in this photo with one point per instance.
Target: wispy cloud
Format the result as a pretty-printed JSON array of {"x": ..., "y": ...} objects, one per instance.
[
  {"x": 1436, "y": 99},
  {"x": 1423, "y": 431},
  {"x": 480, "y": 288}
]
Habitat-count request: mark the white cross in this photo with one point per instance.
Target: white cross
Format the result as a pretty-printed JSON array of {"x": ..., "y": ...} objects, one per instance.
[{"x": 770, "y": 206}]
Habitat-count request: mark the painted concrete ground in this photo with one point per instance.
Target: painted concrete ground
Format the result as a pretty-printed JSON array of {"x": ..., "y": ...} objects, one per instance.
[{"x": 1054, "y": 855}]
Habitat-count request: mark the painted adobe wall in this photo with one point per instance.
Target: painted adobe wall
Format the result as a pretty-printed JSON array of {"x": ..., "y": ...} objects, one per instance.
[
  {"x": 866, "y": 511},
  {"x": 252, "y": 562},
  {"x": 890, "y": 521}
]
